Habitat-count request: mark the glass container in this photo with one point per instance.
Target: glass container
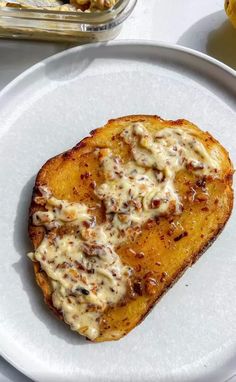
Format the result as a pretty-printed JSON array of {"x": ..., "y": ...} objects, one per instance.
[{"x": 79, "y": 27}]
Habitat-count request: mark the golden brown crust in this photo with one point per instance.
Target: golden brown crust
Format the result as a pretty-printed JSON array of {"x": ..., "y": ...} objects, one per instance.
[{"x": 214, "y": 212}]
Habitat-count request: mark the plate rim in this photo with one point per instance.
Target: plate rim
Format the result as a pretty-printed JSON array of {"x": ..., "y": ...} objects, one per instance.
[
  {"x": 119, "y": 43},
  {"x": 125, "y": 42}
]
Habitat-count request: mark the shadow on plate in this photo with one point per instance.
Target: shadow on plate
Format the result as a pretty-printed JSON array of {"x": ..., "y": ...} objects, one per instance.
[
  {"x": 24, "y": 269},
  {"x": 232, "y": 379},
  {"x": 10, "y": 373},
  {"x": 16, "y": 56},
  {"x": 214, "y": 35},
  {"x": 73, "y": 64}
]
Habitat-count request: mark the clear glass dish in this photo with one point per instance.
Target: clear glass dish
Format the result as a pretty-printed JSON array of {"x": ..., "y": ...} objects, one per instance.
[{"x": 80, "y": 27}]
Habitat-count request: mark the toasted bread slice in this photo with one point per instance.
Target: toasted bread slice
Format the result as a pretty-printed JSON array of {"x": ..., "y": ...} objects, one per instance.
[{"x": 167, "y": 243}]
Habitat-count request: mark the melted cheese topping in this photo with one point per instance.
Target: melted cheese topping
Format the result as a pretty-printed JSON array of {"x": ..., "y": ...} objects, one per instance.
[
  {"x": 143, "y": 188},
  {"x": 87, "y": 275},
  {"x": 79, "y": 256}
]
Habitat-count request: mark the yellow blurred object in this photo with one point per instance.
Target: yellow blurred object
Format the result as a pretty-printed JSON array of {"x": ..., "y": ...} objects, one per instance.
[{"x": 230, "y": 9}]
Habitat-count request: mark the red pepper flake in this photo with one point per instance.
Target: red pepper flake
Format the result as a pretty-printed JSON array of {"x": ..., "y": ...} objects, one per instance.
[
  {"x": 75, "y": 191},
  {"x": 155, "y": 203},
  {"x": 163, "y": 276},
  {"x": 150, "y": 223},
  {"x": 93, "y": 185},
  {"x": 86, "y": 175},
  {"x": 139, "y": 255},
  {"x": 138, "y": 268},
  {"x": 79, "y": 266},
  {"x": 205, "y": 209},
  {"x": 138, "y": 289},
  {"x": 149, "y": 274},
  {"x": 86, "y": 224},
  {"x": 181, "y": 236}
]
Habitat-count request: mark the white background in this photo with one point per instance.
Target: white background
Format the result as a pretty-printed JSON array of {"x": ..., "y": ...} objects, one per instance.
[{"x": 200, "y": 25}]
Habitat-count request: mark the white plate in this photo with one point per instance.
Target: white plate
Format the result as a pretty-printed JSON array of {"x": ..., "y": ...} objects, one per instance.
[{"x": 191, "y": 334}]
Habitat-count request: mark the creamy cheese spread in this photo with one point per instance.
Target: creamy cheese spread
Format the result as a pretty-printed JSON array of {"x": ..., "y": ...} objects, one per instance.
[
  {"x": 60, "y": 5},
  {"x": 79, "y": 256},
  {"x": 143, "y": 188},
  {"x": 87, "y": 274}
]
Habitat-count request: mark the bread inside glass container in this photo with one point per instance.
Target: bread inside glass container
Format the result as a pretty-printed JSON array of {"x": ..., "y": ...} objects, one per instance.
[{"x": 61, "y": 5}]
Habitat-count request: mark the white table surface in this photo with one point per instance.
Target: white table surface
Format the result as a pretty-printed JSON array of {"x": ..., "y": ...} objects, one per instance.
[{"x": 201, "y": 25}]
